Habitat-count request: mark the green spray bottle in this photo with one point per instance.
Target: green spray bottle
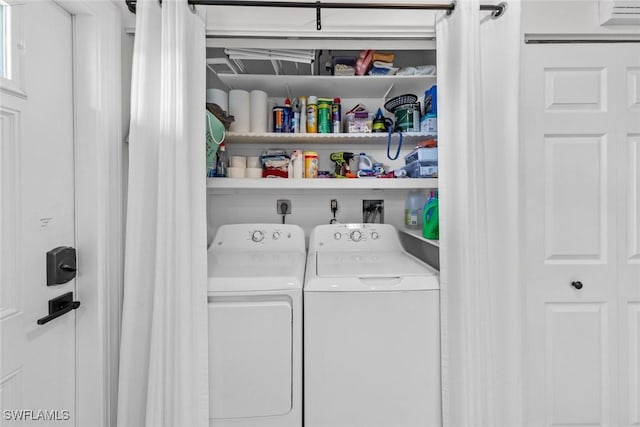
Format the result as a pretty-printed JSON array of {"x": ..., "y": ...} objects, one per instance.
[{"x": 430, "y": 223}]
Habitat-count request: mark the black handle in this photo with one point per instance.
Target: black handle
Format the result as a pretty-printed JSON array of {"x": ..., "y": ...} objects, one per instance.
[
  {"x": 59, "y": 306},
  {"x": 577, "y": 284}
]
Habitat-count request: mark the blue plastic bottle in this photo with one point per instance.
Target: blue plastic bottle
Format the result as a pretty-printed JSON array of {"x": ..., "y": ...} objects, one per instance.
[{"x": 430, "y": 222}]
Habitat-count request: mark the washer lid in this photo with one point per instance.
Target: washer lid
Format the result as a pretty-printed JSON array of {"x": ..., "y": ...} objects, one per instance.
[
  {"x": 370, "y": 264},
  {"x": 255, "y": 271}
]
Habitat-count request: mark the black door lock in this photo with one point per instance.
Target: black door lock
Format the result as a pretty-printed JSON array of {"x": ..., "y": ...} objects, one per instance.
[
  {"x": 59, "y": 306},
  {"x": 61, "y": 265}
]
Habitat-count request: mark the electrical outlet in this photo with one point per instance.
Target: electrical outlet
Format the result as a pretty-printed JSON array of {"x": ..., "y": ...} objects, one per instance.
[
  {"x": 373, "y": 211},
  {"x": 283, "y": 206}
]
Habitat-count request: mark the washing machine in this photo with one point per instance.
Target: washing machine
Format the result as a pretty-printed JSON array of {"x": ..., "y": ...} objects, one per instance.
[
  {"x": 371, "y": 331},
  {"x": 256, "y": 273}
]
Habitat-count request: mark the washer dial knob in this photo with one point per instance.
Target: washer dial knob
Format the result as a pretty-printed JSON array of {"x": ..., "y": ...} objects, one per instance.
[
  {"x": 275, "y": 235},
  {"x": 356, "y": 235},
  {"x": 257, "y": 236},
  {"x": 337, "y": 235},
  {"x": 375, "y": 236}
]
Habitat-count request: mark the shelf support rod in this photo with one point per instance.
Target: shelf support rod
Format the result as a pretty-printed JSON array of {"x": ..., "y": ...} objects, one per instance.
[{"x": 387, "y": 92}]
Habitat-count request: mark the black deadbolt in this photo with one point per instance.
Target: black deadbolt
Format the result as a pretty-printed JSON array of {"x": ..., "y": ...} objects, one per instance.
[{"x": 61, "y": 265}]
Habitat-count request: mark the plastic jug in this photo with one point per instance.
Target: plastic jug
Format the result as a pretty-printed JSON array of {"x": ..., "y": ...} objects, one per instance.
[
  {"x": 364, "y": 163},
  {"x": 413, "y": 209},
  {"x": 296, "y": 165},
  {"x": 431, "y": 226}
]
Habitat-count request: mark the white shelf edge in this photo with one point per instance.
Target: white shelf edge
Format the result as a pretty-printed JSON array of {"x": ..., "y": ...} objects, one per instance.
[
  {"x": 321, "y": 183},
  {"x": 417, "y": 234},
  {"x": 330, "y": 138},
  {"x": 343, "y": 86}
]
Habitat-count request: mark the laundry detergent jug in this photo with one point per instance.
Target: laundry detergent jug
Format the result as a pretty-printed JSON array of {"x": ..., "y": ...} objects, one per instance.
[{"x": 430, "y": 222}]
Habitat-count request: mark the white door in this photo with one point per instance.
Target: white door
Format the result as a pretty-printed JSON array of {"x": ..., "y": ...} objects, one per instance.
[
  {"x": 37, "y": 365},
  {"x": 629, "y": 247},
  {"x": 577, "y": 130}
]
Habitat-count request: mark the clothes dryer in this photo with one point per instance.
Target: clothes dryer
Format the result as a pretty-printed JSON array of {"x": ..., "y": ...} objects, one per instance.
[
  {"x": 256, "y": 272},
  {"x": 371, "y": 331}
]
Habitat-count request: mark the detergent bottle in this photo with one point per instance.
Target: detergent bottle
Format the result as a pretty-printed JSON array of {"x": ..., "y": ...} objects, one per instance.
[
  {"x": 430, "y": 223},
  {"x": 413, "y": 209}
]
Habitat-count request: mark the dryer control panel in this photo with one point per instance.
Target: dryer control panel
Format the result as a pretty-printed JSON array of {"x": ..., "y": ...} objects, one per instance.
[
  {"x": 354, "y": 236},
  {"x": 257, "y": 237}
]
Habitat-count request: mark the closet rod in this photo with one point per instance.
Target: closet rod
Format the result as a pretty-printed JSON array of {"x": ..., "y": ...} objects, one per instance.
[{"x": 497, "y": 9}]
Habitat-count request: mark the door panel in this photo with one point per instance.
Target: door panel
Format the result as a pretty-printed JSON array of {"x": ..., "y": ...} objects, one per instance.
[
  {"x": 633, "y": 200},
  {"x": 633, "y": 88},
  {"x": 37, "y": 371},
  {"x": 250, "y": 360},
  {"x": 576, "y": 341},
  {"x": 575, "y": 89},
  {"x": 633, "y": 319},
  {"x": 576, "y": 199}
]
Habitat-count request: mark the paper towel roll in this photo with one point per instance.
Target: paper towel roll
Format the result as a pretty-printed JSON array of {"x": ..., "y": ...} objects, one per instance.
[
  {"x": 220, "y": 97},
  {"x": 259, "y": 111},
  {"x": 270, "y": 105},
  {"x": 240, "y": 109}
]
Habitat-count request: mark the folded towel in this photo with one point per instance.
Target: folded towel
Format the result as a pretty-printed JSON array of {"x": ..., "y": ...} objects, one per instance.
[{"x": 383, "y": 56}]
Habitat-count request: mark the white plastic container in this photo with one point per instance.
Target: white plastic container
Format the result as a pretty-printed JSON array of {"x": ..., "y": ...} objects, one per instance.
[
  {"x": 364, "y": 163},
  {"x": 413, "y": 209}
]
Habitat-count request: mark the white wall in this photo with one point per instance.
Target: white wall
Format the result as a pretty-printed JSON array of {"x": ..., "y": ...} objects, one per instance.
[
  {"x": 567, "y": 17},
  {"x": 309, "y": 207}
]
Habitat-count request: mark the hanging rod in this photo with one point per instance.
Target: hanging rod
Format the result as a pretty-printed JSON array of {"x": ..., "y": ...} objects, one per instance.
[{"x": 496, "y": 9}]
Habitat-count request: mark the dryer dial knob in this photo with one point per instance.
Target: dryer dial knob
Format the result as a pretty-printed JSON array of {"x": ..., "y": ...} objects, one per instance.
[
  {"x": 356, "y": 235},
  {"x": 375, "y": 236},
  {"x": 275, "y": 235},
  {"x": 337, "y": 235},
  {"x": 257, "y": 236}
]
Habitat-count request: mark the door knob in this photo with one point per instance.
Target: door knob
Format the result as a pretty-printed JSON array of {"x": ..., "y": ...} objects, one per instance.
[{"x": 577, "y": 284}]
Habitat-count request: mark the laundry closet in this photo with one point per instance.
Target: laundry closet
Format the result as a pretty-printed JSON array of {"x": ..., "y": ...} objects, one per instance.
[
  {"x": 311, "y": 201},
  {"x": 362, "y": 266}
]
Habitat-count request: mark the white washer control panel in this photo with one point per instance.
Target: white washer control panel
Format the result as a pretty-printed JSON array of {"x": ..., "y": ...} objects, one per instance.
[{"x": 351, "y": 236}]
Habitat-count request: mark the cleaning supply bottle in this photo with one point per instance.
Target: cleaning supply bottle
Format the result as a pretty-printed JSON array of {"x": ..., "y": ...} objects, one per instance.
[
  {"x": 312, "y": 114},
  {"x": 303, "y": 114},
  {"x": 221, "y": 161},
  {"x": 364, "y": 163},
  {"x": 413, "y": 209},
  {"x": 431, "y": 226},
  {"x": 336, "y": 115}
]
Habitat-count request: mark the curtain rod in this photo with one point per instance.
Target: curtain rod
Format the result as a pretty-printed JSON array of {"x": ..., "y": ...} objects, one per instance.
[{"x": 496, "y": 9}]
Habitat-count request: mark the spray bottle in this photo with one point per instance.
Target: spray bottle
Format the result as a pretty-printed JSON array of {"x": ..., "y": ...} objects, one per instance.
[{"x": 221, "y": 161}]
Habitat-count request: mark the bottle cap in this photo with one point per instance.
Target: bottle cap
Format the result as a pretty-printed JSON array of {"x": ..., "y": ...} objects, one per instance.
[
  {"x": 287, "y": 102},
  {"x": 312, "y": 100},
  {"x": 336, "y": 100}
]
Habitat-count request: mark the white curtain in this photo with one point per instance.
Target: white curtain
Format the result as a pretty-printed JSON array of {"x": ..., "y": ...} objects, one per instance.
[
  {"x": 478, "y": 84},
  {"x": 164, "y": 350}
]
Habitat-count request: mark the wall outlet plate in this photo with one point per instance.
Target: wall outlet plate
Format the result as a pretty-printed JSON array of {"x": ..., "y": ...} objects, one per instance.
[{"x": 283, "y": 206}]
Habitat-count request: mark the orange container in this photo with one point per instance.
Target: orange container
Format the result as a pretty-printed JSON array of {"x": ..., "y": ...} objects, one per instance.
[{"x": 310, "y": 164}]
